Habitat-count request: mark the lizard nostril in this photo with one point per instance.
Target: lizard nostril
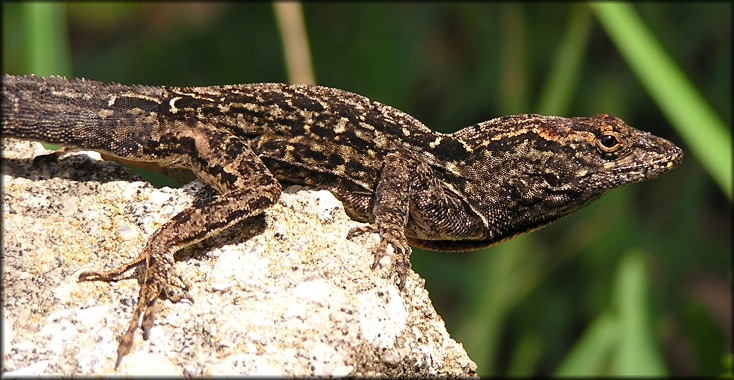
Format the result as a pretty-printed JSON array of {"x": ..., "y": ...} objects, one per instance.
[{"x": 551, "y": 179}]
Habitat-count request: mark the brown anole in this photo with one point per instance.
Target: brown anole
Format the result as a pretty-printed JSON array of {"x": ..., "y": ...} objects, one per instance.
[{"x": 448, "y": 192}]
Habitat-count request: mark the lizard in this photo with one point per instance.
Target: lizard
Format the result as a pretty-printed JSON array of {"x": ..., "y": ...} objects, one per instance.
[{"x": 459, "y": 191}]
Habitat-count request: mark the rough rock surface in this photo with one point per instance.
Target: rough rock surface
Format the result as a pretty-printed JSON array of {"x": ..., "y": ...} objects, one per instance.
[{"x": 286, "y": 295}]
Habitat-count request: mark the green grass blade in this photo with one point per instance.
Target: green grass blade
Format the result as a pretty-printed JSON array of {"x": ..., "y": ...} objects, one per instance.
[
  {"x": 565, "y": 72},
  {"x": 590, "y": 356},
  {"x": 621, "y": 340},
  {"x": 693, "y": 118},
  {"x": 48, "y": 46},
  {"x": 637, "y": 354},
  {"x": 525, "y": 356},
  {"x": 292, "y": 27},
  {"x": 511, "y": 271}
]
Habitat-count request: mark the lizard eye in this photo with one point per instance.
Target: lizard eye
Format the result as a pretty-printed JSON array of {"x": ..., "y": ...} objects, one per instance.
[{"x": 609, "y": 143}]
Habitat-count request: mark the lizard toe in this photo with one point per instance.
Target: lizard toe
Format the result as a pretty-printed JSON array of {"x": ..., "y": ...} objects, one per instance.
[
  {"x": 365, "y": 229},
  {"x": 401, "y": 253}
]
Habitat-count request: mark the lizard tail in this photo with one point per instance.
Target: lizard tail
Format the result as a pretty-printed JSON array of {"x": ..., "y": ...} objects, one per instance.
[{"x": 78, "y": 113}]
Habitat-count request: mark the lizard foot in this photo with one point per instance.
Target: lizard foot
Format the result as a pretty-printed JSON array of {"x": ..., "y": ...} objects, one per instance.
[
  {"x": 388, "y": 237},
  {"x": 160, "y": 281}
]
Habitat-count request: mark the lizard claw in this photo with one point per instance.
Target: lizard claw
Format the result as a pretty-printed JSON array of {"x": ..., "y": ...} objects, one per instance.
[{"x": 393, "y": 238}]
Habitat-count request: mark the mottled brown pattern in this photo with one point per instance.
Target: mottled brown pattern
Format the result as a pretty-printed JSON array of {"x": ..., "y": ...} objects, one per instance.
[{"x": 450, "y": 192}]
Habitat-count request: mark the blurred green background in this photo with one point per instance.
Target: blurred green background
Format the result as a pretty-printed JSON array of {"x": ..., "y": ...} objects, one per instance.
[{"x": 638, "y": 283}]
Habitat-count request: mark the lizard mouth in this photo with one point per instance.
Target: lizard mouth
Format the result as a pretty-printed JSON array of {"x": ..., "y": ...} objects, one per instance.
[
  {"x": 636, "y": 168},
  {"x": 649, "y": 166}
]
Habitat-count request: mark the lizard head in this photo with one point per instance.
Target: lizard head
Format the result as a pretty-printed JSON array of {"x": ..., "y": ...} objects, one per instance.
[
  {"x": 602, "y": 152},
  {"x": 525, "y": 171}
]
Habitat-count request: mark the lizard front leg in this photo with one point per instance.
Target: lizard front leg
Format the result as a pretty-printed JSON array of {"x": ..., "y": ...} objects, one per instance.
[
  {"x": 245, "y": 187},
  {"x": 410, "y": 198},
  {"x": 390, "y": 213}
]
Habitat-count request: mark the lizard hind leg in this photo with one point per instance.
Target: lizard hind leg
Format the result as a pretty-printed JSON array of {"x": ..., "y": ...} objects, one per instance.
[
  {"x": 188, "y": 227},
  {"x": 245, "y": 188}
]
